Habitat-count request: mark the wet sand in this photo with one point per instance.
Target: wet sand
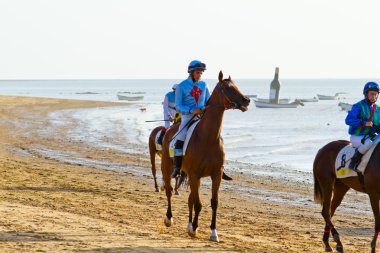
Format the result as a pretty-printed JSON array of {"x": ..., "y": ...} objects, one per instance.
[{"x": 50, "y": 204}]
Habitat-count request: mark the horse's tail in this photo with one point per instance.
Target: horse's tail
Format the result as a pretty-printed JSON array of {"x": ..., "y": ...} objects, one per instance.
[
  {"x": 317, "y": 187},
  {"x": 317, "y": 191}
]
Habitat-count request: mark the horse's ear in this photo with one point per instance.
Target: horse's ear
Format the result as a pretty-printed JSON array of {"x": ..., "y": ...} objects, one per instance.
[
  {"x": 229, "y": 78},
  {"x": 220, "y": 76}
]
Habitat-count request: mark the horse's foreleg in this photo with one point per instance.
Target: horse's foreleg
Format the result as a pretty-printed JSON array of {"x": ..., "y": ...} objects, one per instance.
[
  {"x": 216, "y": 180},
  {"x": 194, "y": 186},
  {"x": 190, "y": 204},
  {"x": 169, "y": 216},
  {"x": 165, "y": 164},
  {"x": 374, "y": 198}
]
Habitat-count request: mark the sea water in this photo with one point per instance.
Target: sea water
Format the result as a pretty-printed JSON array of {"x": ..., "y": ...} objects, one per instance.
[{"x": 284, "y": 139}]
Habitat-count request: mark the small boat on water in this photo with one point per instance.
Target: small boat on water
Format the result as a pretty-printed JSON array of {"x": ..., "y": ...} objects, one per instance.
[
  {"x": 294, "y": 104},
  {"x": 345, "y": 106},
  {"x": 282, "y": 100},
  {"x": 131, "y": 92},
  {"x": 305, "y": 100},
  {"x": 130, "y": 98},
  {"x": 326, "y": 97},
  {"x": 335, "y": 97},
  {"x": 252, "y": 96}
]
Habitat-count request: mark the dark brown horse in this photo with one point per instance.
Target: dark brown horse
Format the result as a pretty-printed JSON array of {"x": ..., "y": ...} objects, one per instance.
[
  {"x": 205, "y": 153},
  {"x": 329, "y": 191},
  {"x": 153, "y": 152}
]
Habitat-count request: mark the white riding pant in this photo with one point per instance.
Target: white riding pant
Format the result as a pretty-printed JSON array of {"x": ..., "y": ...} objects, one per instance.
[
  {"x": 182, "y": 129},
  {"x": 356, "y": 141}
]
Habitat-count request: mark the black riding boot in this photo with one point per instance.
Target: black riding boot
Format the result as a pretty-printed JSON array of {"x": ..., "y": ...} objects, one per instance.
[
  {"x": 159, "y": 140},
  {"x": 177, "y": 166},
  {"x": 355, "y": 160}
]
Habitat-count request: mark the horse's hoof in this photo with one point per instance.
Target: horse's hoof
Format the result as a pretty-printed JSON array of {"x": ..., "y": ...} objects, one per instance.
[
  {"x": 190, "y": 230},
  {"x": 176, "y": 193},
  {"x": 214, "y": 236},
  {"x": 339, "y": 249},
  {"x": 328, "y": 249},
  {"x": 157, "y": 190},
  {"x": 168, "y": 222}
]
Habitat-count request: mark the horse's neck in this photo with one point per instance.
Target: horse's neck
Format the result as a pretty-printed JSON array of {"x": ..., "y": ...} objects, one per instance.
[{"x": 211, "y": 123}]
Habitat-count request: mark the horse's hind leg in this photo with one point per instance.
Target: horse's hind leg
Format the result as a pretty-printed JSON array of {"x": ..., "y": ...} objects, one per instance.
[
  {"x": 339, "y": 192},
  {"x": 327, "y": 189},
  {"x": 216, "y": 180},
  {"x": 374, "y": 198},
  {"x": 152, "y": 152}
]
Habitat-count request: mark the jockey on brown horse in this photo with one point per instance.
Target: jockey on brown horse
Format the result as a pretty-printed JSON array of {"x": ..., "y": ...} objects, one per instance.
[
  {"x": 169, "y": 112},
  {"x": 191, "y": 97},
  {"x": 364, "y": 122},
  {"x": 362, "y": 117}
]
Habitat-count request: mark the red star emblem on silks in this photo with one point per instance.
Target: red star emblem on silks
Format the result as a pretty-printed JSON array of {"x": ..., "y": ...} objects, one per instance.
[{"x": 195, "y": 92}]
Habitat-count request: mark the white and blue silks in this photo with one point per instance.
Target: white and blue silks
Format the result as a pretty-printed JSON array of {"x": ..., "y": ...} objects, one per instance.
[
  {"x": 169, "y": 108},
  {"x": 189, "y": 95}
]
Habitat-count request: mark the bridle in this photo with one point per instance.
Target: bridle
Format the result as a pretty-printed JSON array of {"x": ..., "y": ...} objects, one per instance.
[{"x": 225, "y": 92}]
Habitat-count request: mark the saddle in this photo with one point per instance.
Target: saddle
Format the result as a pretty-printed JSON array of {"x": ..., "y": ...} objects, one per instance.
[
  {"x": 344, "y": 157},
  {"x": 189, "y": 133}
]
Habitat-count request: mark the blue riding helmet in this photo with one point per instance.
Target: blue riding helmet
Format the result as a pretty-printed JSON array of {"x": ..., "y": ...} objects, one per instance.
[
  {"x": 196, "y": 65},
  {"x": 370, "y": 86}
]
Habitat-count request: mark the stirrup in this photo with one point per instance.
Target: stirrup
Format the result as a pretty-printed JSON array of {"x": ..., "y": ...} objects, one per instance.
[{"x": 353, "y": 165}]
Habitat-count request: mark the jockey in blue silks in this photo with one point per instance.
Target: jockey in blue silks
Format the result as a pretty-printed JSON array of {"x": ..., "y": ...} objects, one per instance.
[
  {"x": 361, "y": 119},
  {"x": 191, "y": 96},
  {"x": 169, "y": 111}
]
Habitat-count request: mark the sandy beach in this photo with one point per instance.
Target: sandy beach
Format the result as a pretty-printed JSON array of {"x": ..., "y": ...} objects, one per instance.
[{"x": 49, "y": 204}]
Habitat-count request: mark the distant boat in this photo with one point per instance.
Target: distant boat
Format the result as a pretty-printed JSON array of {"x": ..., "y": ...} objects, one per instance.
[
  {"x": 282, "y": 100},
  {"x": 130, "y": 98},
  {"x": 87, "y": 93},
  {"x": 325, "y": 97},
  {"x": 294, "y": 104},
  {"x": 131, "y": 92},
  {"x": 345, "y": 106},
  {"x": 314, "y": 99},
  {"x": 252, "y": 96}
]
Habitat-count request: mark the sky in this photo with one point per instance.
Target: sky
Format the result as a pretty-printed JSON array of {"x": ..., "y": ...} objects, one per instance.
[{"x": 155, "y": 39}]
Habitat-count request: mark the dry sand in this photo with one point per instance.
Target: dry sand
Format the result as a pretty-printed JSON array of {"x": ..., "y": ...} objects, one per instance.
[{"x": 48, "y": 205}]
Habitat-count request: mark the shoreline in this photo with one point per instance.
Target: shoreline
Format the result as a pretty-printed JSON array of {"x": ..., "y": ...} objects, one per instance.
[{"x": 49, "y": 205}]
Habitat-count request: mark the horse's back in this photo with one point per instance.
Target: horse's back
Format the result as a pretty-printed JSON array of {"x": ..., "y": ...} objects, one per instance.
[{"x": 327, "y": 154}]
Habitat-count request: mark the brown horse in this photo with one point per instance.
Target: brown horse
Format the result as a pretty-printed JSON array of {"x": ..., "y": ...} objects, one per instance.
[
  {"x": 153, "y": 152},
  {"x": 329, "y": 191},
  {"x": 205, "y": 153}
]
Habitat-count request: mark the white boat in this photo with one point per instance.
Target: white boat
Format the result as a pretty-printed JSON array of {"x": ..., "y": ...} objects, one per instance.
[
  {"x": 345, "y": 106},
  {"x": 314, "y": 99},
  {"x": 282, "y": 100},
  {"x": 294, "y": 104},
  {"x": 130, "y": 98},
  {"x": 325, "y": 97}
]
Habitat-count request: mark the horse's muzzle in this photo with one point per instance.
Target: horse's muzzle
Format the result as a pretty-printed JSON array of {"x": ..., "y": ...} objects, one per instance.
[{"x": 243, "y": 106}]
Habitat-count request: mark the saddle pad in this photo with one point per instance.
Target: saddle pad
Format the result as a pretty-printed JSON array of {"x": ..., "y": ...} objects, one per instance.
[
  {"x": 187, "y": 139},
  {"x": 158, "y": 146},
  {"x": 344, "y": 158}
]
